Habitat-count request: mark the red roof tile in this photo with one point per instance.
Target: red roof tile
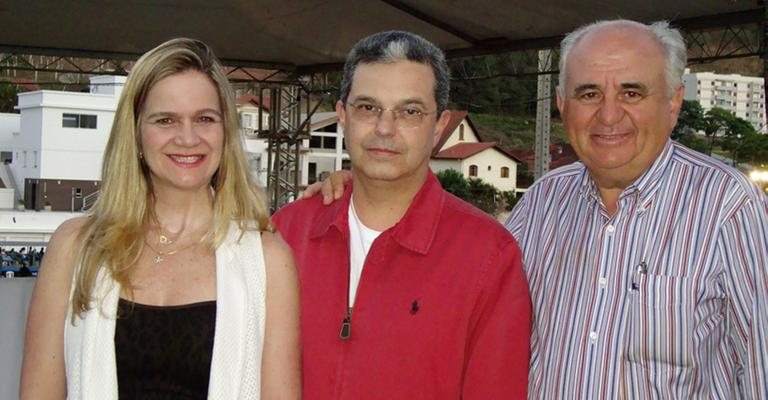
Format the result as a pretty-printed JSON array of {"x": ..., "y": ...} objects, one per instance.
[
  {"x": 26, "y": 84},
  {"x": 456, "y": 118},
  {"x": 464, "y": 150},
  {"x": 560, "y": 153},
  {"x": 253, "y": 99}
]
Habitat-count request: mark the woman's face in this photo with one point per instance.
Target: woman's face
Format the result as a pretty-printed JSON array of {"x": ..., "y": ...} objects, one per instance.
[{"x": 182, "y": 132}]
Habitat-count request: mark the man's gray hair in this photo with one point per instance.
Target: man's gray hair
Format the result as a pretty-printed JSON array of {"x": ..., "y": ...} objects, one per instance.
[
  {"x": 670, "y": 39},
  {"x": 392, "y": 46}
]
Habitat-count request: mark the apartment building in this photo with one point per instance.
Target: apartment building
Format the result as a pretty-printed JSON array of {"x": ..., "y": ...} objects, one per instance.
[{"x": 744, "y": 96}]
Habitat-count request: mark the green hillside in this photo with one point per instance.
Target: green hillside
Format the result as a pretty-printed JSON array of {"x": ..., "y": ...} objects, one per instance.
[{"x": 513, "y": 131}]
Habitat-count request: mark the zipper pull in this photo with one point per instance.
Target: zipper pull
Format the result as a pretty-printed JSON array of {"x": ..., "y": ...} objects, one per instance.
[{"x": 346, "y": 325}]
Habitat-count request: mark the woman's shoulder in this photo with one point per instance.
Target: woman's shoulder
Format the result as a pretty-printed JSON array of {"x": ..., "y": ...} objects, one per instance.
[
  {"x": 276, "y": 250},
  {"x": 65, "y": 240},
  {"x": 72, "y": 226}
]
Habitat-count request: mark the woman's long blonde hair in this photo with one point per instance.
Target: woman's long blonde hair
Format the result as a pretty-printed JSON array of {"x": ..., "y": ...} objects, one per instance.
[{"x": 113, "y": 236}]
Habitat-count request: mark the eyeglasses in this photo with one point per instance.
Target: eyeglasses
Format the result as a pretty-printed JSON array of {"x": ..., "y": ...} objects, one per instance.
[{"x": 405, "y": 117}]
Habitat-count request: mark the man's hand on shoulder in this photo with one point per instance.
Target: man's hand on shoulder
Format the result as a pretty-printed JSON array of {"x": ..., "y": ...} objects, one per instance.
[{"x": 331, "y": 187}]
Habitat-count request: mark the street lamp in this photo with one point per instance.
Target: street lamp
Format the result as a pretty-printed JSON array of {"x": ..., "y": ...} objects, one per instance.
[{"x": 760, "y": 177}]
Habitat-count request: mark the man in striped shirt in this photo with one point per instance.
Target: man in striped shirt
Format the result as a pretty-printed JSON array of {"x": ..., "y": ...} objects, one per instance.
[{"x": 646, "y": 260}]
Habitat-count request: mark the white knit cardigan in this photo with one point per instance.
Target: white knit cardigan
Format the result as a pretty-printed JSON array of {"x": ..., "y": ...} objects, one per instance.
[{"x": 89, "y": 344}]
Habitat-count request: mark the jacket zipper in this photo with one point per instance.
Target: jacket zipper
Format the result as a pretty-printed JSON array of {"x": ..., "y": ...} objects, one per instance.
[{"x": 346, "y": 323}]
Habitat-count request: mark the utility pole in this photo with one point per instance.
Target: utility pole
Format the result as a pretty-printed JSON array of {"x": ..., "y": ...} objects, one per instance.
[{"x": 543, "y": 114}]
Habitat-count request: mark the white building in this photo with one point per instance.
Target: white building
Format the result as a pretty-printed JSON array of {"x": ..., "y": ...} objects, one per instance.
[
  {"x": 63, "y": 134},
  {"x": 324, "y": 152},
  {"x": 461, "y": 149},
  {"x": 255, "y": 149},
  {"x": 744, "y": 96}
]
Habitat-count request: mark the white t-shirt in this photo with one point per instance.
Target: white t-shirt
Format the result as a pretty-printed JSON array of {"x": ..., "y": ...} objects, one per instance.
[{"x": 361, "y": 238}]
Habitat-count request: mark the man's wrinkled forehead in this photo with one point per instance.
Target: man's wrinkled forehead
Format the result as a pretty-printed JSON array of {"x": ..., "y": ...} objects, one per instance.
[{"x": 609, "y": 49}]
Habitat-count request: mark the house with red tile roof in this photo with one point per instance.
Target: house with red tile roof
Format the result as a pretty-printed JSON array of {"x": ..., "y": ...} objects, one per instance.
[
  {"x": 461, "y": 148},
  {"x": 560, "y": 154}
]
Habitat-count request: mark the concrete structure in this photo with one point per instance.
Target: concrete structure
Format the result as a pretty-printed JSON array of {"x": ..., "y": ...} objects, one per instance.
[
  {"x": 255, "y": 149},
  {"x": 460, "y": 148},
  {"x": 29, "y": 228},
  {"x": 744, "y": 96},
  {"x": 60, "y": 140},
  {"x": 15, "y": 294},
  {"x": 324, "y": 152}
]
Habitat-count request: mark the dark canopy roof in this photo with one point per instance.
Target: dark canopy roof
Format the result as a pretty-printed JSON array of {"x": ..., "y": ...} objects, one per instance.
[{"x": 316, "y": 34}]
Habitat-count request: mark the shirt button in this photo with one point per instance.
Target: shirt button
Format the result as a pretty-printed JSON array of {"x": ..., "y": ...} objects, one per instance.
[
  {"x": 602, "y": 282},
  {"x": 610, "y": 228},
  {"x": 593, "y": 336}
]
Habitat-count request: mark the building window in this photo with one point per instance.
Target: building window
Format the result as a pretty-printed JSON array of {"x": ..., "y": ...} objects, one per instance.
[
  {"x": 473, "y": 170},
  {"x": 34, "y": 159},
  {"x": 504, "y": 172},
  {"x": 311, "y": 173},
  {"x": 322, "y": 142},
  {"x": 247, "y": 120},
  {"x": 86, "y": 121},
  {"x": 461, "y": 132}
]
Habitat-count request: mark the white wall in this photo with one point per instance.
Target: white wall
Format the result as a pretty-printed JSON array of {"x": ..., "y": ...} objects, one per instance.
[
  {"x": 57, "y": 152},
  {"x": 7, "y": 198},
  {"x": 469, "y": 135},
  {"x": 10, "y": 125},
  {"x": 438, "y": 165},
  {"x": 30, "y": 226},
  {"x": 494, "y": 159},
  {"x": 14, "y": 304}
]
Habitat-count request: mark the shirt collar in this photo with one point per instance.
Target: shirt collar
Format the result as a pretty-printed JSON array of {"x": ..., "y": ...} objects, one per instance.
[
  {"x": 415, "y": 231},
  {"x": 645, "y": 186}
]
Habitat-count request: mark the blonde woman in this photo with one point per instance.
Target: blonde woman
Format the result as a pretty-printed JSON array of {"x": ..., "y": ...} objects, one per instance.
[{"x": 175, "y": 285}]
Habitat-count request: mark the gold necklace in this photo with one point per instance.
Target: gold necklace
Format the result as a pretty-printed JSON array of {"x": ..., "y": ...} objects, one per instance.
[{"x": 159, "y": 255}]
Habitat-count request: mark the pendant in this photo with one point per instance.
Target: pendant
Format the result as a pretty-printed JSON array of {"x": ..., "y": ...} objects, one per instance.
[
  {"x": 158, "y": 259},
  {"x": 164, "y": 240}
]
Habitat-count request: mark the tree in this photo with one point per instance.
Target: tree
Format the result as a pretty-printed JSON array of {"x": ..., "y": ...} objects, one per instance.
[
  {"x": 508, "y": 200},
  {"x": 454, "y": 182},
  {"x": 690, "y": 120},
  {"x": 695, "y": 142},
  {"x": 736, "y": 132},
  {"x": 8, "y": 97},
  {"x": 753, "y": 149},
  {"x": 483, "y": 195},
  {"x": 716, "y": 120},
  {"x": 474, "y": 191}
]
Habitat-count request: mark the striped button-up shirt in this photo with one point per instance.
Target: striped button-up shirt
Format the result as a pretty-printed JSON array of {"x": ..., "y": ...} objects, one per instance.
[{"x": 665, "y": 299}]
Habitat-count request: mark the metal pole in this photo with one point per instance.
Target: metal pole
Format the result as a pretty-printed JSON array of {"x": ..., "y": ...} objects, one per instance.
[
  {"x": 543, "y": 114},
  {"x": 765, "y": 63}
]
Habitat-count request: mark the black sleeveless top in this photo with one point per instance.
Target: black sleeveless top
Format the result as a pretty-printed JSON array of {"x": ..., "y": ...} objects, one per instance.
[{"x": 164, "y": 352}]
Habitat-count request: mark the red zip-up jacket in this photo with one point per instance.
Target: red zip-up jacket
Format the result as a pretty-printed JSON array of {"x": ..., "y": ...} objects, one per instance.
[{"x": 442, "y": 310}]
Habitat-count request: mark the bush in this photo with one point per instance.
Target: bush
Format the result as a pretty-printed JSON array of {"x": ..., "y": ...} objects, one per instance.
[
  {"x": 483, "y": 195},
  {"x": 508, "y": 200},
  {"x": 474, "y": 191},
  {"x": 453, "y": 182}
]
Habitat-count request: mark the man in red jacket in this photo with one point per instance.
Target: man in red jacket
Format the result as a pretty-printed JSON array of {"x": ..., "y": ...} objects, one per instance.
[{"x": 407, "y": 291}]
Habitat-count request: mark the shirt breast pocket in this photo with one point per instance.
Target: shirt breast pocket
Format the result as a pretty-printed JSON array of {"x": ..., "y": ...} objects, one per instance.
[{"x": 660, "y": 334}]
